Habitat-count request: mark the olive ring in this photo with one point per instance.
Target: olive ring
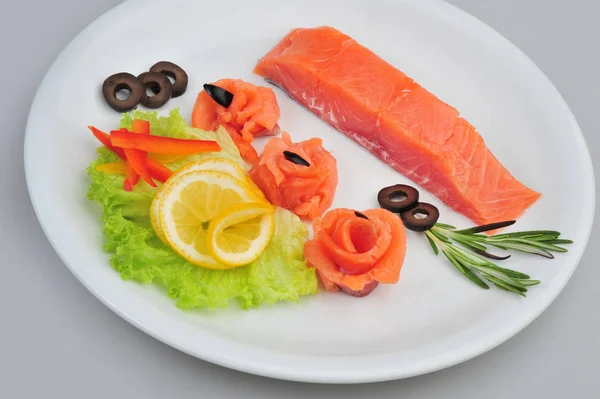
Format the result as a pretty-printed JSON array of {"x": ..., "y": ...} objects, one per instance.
[
  {"x": 175, "y": 72},
  {"x": 122, "y": 81},
  {"x": 429, "y": 216},
  {"x": 159, "y": 84},
  {"x": 387, "y": 198}
]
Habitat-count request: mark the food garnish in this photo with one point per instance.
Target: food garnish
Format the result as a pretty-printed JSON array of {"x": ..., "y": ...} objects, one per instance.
[
  {"x": 158, "y": 171},
  {"x": 161, "y": 145},
  {"x": 221, "y": 96},
  {"x": 240, "y": 234},
  {"x": 221, "y": 165},
  {"x": 175, "y": 72},
  {"x": 122, "y": 81},
  {"x": 361, "y": 215},
  {"x": 244, "y": 109},
  {"x": 189, "y": 204},
  {"x": 421, "y": 217},
  {"x": 355, "y": 254},
  {"x": 156, "y": 80},
  {"x": 161, "y": 87},
  {"x": 385, "y": 111},
  {"x": 295, "y": 158},
  {"x": 467, "y": 250},
  {"x": 306, "y": 190},
  {"x": 398, "y": 198}
]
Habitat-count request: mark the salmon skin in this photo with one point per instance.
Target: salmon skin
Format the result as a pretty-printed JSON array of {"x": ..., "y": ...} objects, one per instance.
[{"x": 397, "y": 120}]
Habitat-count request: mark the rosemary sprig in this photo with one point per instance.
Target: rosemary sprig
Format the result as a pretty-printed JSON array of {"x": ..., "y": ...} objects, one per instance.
[{"x": 467, "y": 250}]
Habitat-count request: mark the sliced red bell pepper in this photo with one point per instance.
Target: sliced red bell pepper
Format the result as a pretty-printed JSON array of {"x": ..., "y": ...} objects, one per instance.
[
  {"x": 140, "y": 126},
  {"x": 158, "y": 171},
  {"x": 137, "y": 158},
  {"x": 161, "y": 145},
  {"x": 131, "y": 179},
  {"x": 105, "y": 140}
]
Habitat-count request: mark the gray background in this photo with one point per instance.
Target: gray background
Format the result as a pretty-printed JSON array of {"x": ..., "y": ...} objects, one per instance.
[{"x": 57, "y": 339}]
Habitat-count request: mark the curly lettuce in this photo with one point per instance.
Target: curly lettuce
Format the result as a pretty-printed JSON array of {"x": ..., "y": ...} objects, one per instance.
[{"x": 279, "y": 274}]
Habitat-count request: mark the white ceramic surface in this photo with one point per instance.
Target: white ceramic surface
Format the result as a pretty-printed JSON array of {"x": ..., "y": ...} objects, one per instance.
[{"x": 433, "y": 318}]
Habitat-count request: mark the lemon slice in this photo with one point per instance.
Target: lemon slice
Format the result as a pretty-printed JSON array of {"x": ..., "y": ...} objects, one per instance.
[
  {"x": 189, "y": 202},
  {"x": 216, "y": 164},
  {"x": 221, "y": 165},
  {"x": 240, "y": 235}
]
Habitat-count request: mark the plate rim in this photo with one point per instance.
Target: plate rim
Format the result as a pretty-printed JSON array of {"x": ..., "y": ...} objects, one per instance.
[{"x": 249, "y": 366}]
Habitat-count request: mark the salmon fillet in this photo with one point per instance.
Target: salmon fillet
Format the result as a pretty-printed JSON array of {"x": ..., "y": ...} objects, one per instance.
[{"x": 397, "y": 120}]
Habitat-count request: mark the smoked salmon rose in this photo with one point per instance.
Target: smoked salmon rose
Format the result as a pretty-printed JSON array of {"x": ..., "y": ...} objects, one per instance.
[
  {"x": 254, "y": 112},
  {"x": 355, "y": 251},
  {"x": 301, "y": 177}
]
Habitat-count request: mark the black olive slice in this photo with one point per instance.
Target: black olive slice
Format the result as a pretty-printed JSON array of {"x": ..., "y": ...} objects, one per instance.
[
  {"x": 295, "y": 158},
  {"x": 122, "y": 81},
  {"x": 159, "y": 84},
  {"x": 361, "y": 215},
  {"x": 220, "y": 95},
  {"x": 175, "y": 72},
  {"x": 398, "y": 198},
  {"x": 420, "y": 218}
]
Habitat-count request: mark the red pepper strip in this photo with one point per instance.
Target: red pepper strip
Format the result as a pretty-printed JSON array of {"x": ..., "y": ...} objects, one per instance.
[
  {"x": 158, "y": 171},
  {"x": 131, "y": 179},
  {"x": 161, "y": 145},
  {"x": 137, "y": 158},
  {"x": 140, "y": 126},
  {"x": 105, "y": 140}
]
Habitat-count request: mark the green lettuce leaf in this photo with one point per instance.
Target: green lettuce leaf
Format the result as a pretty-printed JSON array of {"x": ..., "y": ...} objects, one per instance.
[
  {"x": 280, "y": 273},
  {"x": 269, "y": 280}
]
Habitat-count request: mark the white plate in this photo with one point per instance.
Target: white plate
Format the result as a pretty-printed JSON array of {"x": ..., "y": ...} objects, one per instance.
[{"x": 434, "y": 317}]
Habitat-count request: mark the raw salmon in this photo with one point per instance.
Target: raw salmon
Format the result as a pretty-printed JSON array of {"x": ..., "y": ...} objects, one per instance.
[
  {"x": 354, "y": 253},
  {"x": 253, "y": 112},
  {"x": 305, "y": 190},
  {"x": 396, "y": 119}
]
